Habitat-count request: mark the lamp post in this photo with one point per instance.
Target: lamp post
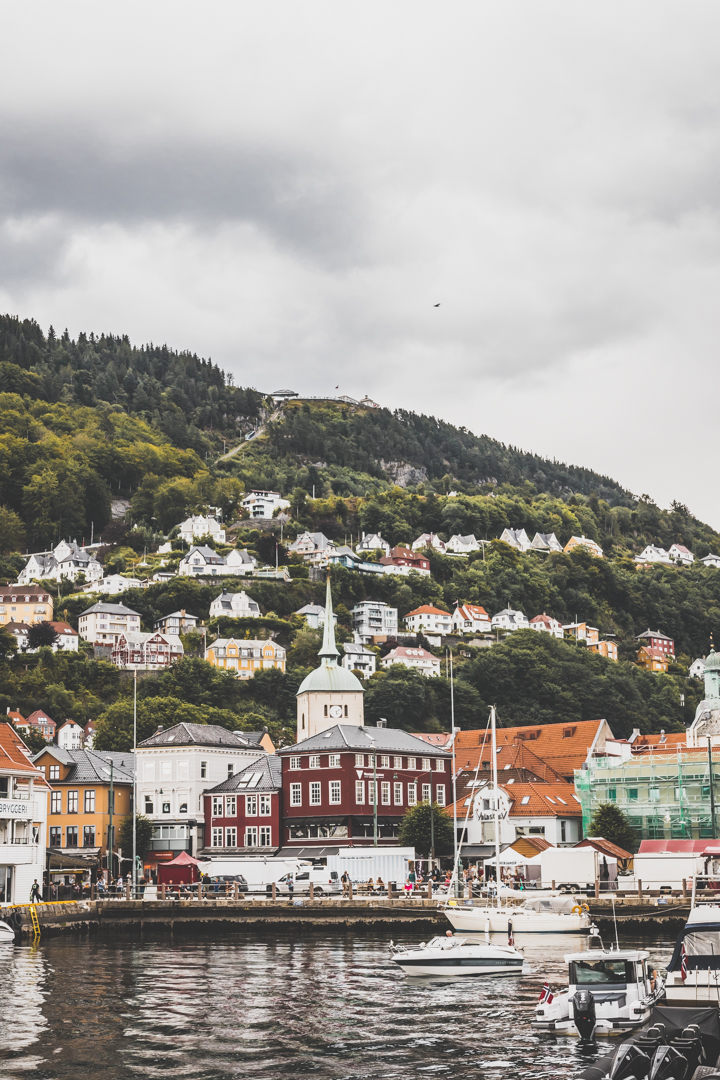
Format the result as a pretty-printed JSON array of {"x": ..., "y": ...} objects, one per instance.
[
  {"x": 111, "y": 809},
  {"x": 134, "y": 806}
]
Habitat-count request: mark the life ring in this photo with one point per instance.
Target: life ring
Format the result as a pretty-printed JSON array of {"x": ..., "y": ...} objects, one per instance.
[
  {"x": 585, "y": 908},
  {"x": 576, "y": 910}
]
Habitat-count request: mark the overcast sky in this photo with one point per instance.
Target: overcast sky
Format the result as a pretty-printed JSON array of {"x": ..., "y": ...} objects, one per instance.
[{"x": 290, "y": 188}]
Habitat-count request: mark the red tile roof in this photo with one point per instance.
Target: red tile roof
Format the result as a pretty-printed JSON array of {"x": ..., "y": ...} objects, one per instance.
[
  {"x": 605, "y": 846},
  {"x": 563, "y": 746},
  {"x": 515, "y": 759},
  {"x": 543, "y": 800},
  {"x": 426, "y": 609},
  {"x": 63, "y": 628},
  {"x": 474, "y": 611},
  {"x": 435, "y": 738},
  {"x": 14, "y": 753}
]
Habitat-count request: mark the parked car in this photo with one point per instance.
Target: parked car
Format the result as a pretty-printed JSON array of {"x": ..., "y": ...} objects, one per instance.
[
  {"x": 223, "y": 882},
  {"x": 323, "y": 881}
]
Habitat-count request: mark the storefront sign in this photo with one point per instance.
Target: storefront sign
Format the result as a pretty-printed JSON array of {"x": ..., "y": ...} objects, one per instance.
[
  {"x": 12, "y": 809},
  {"x": 489, "y": 802}
]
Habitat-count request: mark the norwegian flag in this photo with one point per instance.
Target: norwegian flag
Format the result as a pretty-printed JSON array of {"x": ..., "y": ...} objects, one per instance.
[
  {"x": 546, "y": 995},
  {"x": 683, "y": 963}
]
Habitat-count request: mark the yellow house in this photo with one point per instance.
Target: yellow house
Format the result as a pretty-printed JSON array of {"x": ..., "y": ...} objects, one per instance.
[
  {"x": 25, "y": 604},
  {"x": 244, "y": 657},
  {"x": 584, "y": 541}
]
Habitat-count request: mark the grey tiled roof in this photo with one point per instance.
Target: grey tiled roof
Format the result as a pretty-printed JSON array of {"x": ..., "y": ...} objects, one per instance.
[
  {"x": 92, "y": 766},
  {"x": 347, "y": 737},
  {"x": 110, "y": 609},
  {"x": 203, "y": 735},
  {"x": 270, "y": 768}
]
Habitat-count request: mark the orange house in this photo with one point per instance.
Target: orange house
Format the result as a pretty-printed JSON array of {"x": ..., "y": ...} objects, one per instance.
[{"x": 652, "y": 659}]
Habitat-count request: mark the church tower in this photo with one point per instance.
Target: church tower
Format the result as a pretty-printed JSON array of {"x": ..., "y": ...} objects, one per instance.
[{"x": 330, "y": 694}]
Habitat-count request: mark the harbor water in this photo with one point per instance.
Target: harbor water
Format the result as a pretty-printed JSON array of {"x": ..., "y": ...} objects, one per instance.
[{"x": 266, "y": 1005}]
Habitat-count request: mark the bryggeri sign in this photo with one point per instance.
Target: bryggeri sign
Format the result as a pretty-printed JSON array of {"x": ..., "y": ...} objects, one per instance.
[{"x": 12, "y": 809}]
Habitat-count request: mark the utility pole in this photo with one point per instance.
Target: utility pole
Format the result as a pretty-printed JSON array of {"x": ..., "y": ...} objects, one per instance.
[
  {"x": 134, "y": 806},
  {"x": 375, "y": 799},
  {"x": 712, "y": 790}
]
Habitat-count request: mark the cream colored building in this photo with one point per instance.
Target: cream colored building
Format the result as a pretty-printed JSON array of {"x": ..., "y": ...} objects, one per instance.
[
  {"x": 244, "y": 657},
  {"x": 22, "y": 605},
  {"x": 330, "y": 694}
]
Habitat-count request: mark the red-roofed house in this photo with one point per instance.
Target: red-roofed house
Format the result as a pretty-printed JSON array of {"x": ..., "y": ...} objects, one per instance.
[
  {"x": 551, "y": 811},
  {"x": 443, "y": 739},
  {"x": 652, "y": 659},
  {"x": 67, "y": 640},
  {"x": 682, "y": 555},
  {"x": 23, "y": 819},
  {"x": 42, "y": 723},
  {"x": 402, "y": 560},
  {"x": 419, "y": 659},
  {"x": 565, "y": 747},
  {"x": 547, "y": 625},
  {"x": 646, "y": 744},
  {"x": 429, "y": 619},
  {"x": 470, "y": 619},
  {"x": 657, "y": 641}
]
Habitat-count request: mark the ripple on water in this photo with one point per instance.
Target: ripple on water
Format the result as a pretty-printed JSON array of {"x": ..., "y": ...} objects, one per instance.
[{"x": 263, "y": 1008}]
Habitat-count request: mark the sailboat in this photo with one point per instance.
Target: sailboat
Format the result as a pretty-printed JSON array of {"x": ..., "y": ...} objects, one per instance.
[{"x": 457, "y": 956}]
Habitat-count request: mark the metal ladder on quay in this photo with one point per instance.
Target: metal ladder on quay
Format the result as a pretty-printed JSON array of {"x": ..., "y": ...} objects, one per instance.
[{"x": 35, "y": 921}]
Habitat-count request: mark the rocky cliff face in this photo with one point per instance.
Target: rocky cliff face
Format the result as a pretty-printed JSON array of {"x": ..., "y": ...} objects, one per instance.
[{"x": 402, "y": 474}]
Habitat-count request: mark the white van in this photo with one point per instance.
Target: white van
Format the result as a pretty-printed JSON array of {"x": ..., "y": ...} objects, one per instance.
[{"x": 298, "y": 881}]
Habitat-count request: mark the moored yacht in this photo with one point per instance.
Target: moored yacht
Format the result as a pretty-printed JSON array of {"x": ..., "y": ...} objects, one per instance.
[
  {"x": 7, "y": 934},
  {"x": 444, "y": 956},
  {"x": 537, "y": 915},
  {"x": 610, "y": 992},
  {"x": 693, "y": 974}
]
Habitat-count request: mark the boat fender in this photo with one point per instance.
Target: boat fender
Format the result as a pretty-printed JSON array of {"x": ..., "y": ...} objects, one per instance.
[
  {"x": 16, "y": 920},
  {"x": 585, "y": 908}
]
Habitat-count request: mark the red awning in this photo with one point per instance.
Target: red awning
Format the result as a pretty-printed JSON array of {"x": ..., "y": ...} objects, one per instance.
[
  {"x": 183, "y": 859},
  {"x": 676, "y": 847}
]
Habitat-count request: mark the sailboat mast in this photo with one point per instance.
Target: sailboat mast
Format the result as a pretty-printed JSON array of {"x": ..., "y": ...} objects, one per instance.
[
  {"x": 454, "y": 771},
  {"x": 497, "y": 807}
]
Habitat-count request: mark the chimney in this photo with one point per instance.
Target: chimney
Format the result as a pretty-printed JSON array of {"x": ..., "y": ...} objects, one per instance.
[
  {"x": 635, "y": 734},
  {"x": 160, "y": 728},
  {"x": 381, "y": 722}
]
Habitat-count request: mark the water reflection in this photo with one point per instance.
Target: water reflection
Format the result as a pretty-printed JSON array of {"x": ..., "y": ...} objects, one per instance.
[{"x": 267, "y": 1007}]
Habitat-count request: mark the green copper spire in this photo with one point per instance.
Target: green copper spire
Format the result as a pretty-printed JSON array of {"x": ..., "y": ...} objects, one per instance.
[{"x": 328, "y": 651}]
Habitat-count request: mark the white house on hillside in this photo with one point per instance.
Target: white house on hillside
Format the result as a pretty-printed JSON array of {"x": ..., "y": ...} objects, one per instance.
[
  {"x": 545, "y": 542},
  {"x": 711, "y": 560},
  {"x": 313, "y": 546},
  {"x": 195, "y": 527},
  {"x": 680, "y": 554},
  {"x": 652, "y": 554},
  {"x": 697, "y": 668},
  {"x": 116, "y": 583},
  {"x": 102, "y": 624},
  {"x": 66, "y": 560},
  {"x": 429, "y": 619},
  {"x": 263, "y": 504},
  {"x": 428, "y": 540},
  {"x": 547, "y": 625},
  {"x": 470, "y": 619},
  {"x": 234, "y": 605},
  {"x": 358, "y": 658},
  {"x": 314, "y": 615},
  {"x": 419, "y": 659},
  {"x": 371, "y": 617},
  {"x": 372, "y": 542},
  {"x": 509, "y": 620},
  {"x": 462, "y": 545},
  {"x": 516, "y": 538},
  {"x": 70, "y": 736},
  {"x": 202, "y": 562}
]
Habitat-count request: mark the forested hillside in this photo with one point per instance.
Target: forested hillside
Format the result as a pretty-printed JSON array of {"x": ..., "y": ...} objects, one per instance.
[{"x": 85, "y": 421}]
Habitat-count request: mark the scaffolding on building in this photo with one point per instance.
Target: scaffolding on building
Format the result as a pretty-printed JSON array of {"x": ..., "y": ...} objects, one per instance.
[{"x": 665, "y": 794}]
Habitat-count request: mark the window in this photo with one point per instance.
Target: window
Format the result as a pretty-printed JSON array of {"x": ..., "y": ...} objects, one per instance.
[
  {"x": 426, "y": 793},
  {"x": 149, "y": 770},
  {"x": 149, "y": 807},
  {"x": 230, "y": 769},
  {"x": 315, "y": 794},
  {"x": 612, "y": 794},
  {"x": 71, "y": 836},
  {"x": 412, "y": 763},
  {"x": 72, "y": 802},
  {"x": 334, "y": 761},
  {"x": 334, "y": 787},
  {"x": 88, "y": 836},
  {"x": 439, "y": 765},
  {"x": 397, "y": 762},
  {"x": 384, "y": 762},
  {"x": 217, "y": 806},
  {"x": 55, "y": 836},
  {"x": 183, "y": 770},
  {"x": 561, "y": 800},
  {"x": 166, "y": 770},
  {"x": 398, "y": 794},
  {"x": 346, "y": 710},
  {"x": 166, "y": 808},
  {"x": 426, "y": 764},
  {"x": 359, "y": 761},
  {"x": 296, "y": 794},
  {"x": 231, "y": 837},
  {"x": 295, "y": 763},
  {"x": 203, "y": 770},
  {"x": 412, "y": 794},
  {"x": 230, "y": 805},
  {"x": 89, "y": 806},
  {"x": 183, "y": 808},
  {"x": 314, "y": 761},
  {"x": 632, "y": 794},
  {"x": 265, "y": 836},
  {"x": 372, "y": 787},
  {"x": 251, "y": 836},
  {"x": 359, "y": 792},
  {"x": 251, "y": 806},
  {"x": 56, "y": 802},
  {"x": 54, "y": 772},
  {"x": 265, "y": 805},
  {"x": 440, "y": 794},
  {"x": 525, "y": 800},
  {"x": 385, "y": 792},
  {"x": 326, "y": 710},
  {"x": 217, "y": 838}
]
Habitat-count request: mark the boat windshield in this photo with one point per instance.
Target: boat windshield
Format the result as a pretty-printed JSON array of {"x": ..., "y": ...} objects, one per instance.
[
  {"x": 555, "y": 905},
  {"x": 702, "y": 942},
  {"x": 609, "y": 971}
]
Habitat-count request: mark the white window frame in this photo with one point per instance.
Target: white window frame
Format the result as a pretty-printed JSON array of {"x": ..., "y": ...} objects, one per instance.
[
  {"x": 265, "y": 836},
  {"x": 230, "y": 805},
  {"x": 426, "y": 793},
  {"x": 440, "y": 794},
  {"x": 295, "y": 763},
  {"x": 397, "y": 763},
  {"x": 314, "y": 761},
  {"x": 231, "y": 837},
  {"x": 333, "y": 761},
  {"x": 398, "y": 793},
  {"x": 251, "y": 836},
  {"x": 439, "y": 764},
  {"x": 385, "y": 793},
  {"x": 335, "y": 792},
  {"x": 360, "y": 792},
  {"x": 426, "y": 764},
  {"x": 359, "y": 761},
  {"x": 384, "y": 761},
  {"x": 265, "y": 805},
  {"x": 412, "y": 794},
  {"x": 372, "y": 788},
  {"x": 251, "y": 806},
  {"x": 217, "y": 806},
  {"x": 296, "y": 794},
  {"x": 217, "y": 837},
  {"x": 315, "y": 793}
]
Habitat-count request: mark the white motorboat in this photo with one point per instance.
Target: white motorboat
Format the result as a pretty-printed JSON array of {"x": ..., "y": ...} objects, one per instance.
[
  {"x": 537, "y": 915},
  {"x": 693, "y": 974},
  {"x": 610, "y": 992},
  {"x": 7, "y": 934},
  {"x": 445, "y": 956}
]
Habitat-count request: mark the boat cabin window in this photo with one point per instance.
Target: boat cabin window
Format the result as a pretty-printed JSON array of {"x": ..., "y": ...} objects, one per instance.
[
  {"x": 606, "y": 972},
  {"x": 703, "y": 942}
]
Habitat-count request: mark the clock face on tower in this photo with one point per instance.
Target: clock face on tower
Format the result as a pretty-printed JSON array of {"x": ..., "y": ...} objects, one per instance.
[{"x": 336, "y": 711}]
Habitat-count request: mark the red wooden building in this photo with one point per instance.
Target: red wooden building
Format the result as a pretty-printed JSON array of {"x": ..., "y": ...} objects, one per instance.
[{"x": 243, "y": 814}]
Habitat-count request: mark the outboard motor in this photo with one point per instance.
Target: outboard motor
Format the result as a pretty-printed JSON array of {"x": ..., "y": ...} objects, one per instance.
[
  {"x": 690, "y": 1046},
  {"x": 584, "y": 1014},
  {"x": 630, "y": 1063},
  {"x": 668, "y": 1064}
]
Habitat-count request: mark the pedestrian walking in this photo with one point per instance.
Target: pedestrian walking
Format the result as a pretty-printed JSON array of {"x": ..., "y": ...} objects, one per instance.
[{"x": 35, "y": 897}]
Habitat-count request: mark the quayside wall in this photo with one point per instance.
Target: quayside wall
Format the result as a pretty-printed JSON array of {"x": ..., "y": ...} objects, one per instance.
[{"x": 634, "y": 916}]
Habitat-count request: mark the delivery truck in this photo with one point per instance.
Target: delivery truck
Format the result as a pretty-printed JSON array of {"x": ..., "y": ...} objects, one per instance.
[
  {"x": 575, "y": 869},
  {"x": 258, "y": 873},
  {"x": 663, "y": 870}
]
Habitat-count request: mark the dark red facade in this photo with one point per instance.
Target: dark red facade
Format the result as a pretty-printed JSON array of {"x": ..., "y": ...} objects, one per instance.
[{"x": 248, "y": 821}]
